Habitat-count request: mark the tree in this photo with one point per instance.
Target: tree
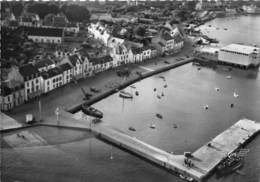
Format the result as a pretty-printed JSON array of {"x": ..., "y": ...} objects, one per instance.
[
  {"x": 42, "y": 9},
  {"x": 190, "y": 5},
  {"x": 17, "y": 8},
  {"x": 140, "y": 31},
  {"x": 76, "y": 13}
]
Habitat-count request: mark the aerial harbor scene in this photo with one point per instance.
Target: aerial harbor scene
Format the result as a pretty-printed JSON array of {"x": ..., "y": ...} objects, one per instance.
[{"x": 130, "y": 91}]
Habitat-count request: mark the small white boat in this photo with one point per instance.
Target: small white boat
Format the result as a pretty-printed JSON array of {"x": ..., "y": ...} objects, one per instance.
[
  {"x": 132, "y": 86},
  {"x": 235, "y": 95},
  {"x": 152, "y": 126},
  {"x": 228, "y": 77},
  {"x": 206, "y": 107},
  {"x": 125, "y": 94},
  {"x": 186, "y": 178},
  {"x": 217, "y": 89}
]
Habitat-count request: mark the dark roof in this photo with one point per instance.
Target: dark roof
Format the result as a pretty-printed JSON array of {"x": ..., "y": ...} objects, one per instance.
[
  {"x": 5, "y": 90},
  {"x": 27, "y": 19},
  {"x": 161, "y": 44},
  {"x": 39, "y": 31},
  {"x": 59, "y": 21},
  {"x": 13, "y": 23},
  {"x": 73, "y": 59},
  {"x": 51, "y": 73},
  {"x": 136, "y": 50},
  {"x": 167, "y": 36},
  {"x": 100, "y": 60},
  {"x": 43, "y": 63},
  {"x": 65, "y": 67},
  {"x": 178, "y": 39},
  {"x": 28, "y": 70}
]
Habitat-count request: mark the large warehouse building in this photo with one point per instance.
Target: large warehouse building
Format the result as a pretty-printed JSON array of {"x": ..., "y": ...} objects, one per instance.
[{"x": 240, "y": 55}]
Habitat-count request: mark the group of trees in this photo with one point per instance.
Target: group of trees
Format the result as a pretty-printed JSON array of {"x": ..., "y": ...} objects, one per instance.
[
  {"x": 15, "y": 7},
  {"x": 74, "y": 13}
]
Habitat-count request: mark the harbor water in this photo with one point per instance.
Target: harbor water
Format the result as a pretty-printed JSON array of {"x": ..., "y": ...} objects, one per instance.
[{"x": 70, "y": 155}]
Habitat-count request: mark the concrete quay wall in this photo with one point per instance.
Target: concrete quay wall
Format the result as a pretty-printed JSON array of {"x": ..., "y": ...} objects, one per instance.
[{"x": 77, "y": 107}]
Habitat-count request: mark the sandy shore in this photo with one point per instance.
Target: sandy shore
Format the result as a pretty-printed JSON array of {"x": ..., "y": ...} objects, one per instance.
[{"x": 71, "y": 95}]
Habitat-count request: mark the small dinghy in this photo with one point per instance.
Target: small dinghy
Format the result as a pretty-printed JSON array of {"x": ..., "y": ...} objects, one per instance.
[
  {"x": 159, "y": 116},
  {"x": 152, "y": 126},
  {"x": 131, "y": 128}
]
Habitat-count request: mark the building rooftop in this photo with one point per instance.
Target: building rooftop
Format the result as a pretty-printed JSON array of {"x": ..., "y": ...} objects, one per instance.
[
  {"x": 39, "y": 31},
  {"x": 51, "y": 73},
  {"x": 73, "y": 59},
  {"x": 42, "y": 63},
  {"x": 178, "y": 38},
  {"x": 100, "y": 60},
  {"x": 65, "y": 67},
  {"x": 28, "y": 70},
  {"x": 167, "y": 36},
  {"x": 208, "y": 49},
  {"x": 245, "y": 49},
  {"x": 137, "y": 50}
]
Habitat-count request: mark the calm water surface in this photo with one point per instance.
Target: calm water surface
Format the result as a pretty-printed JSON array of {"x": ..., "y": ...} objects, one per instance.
[{"x": 77, "y": 156}]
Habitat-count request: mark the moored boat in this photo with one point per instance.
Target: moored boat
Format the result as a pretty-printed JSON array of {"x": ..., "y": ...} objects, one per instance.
[
  {"x": 125, "y": 94},
  {"x": 131, "y": 128},
  {"x": 91, "y": 111},
  {"x": 159, "y": 116},
  {"x": 186, "y": 178},
  {"x": 93, "y": 89},
  {"x": 132, "y": 86},
  {"x": 152, "y": 126},
  {"x": 231, "y": 164}
]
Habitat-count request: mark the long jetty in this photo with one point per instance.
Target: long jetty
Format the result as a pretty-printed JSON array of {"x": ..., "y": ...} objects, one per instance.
[{"x": 205, "y": 159}]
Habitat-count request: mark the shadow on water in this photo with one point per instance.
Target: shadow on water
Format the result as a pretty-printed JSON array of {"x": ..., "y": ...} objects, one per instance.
[
  {"x": 251, "y": 73},
  {"x": 42, "y": 136}
]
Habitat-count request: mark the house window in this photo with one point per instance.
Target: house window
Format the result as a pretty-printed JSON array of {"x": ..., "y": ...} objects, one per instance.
[
  {"x": 37, "y": 88},
  {"x": 28, "y": 91},
  {"x": 37, "y": 80}
]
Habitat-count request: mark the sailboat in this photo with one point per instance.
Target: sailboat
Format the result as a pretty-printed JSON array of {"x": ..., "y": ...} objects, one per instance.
[
  {"x": 235, "y": 95},
  {"x": 125, "y": 94}
]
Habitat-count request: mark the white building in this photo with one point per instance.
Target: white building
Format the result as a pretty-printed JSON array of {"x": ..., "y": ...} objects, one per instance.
[
  {"x": 44, "y": 35},
  {"x": 147, "y": 53},
  {"x": 51, "y": 80},
  {"x": 241, "y": 55},
  {"x": 137, "y": 54},
  {"x": 9, "y": 98},
  {"x": 99, "y": 32},
  {"x": 32, "y": 81},
  {"x": 66, "y": 69}
]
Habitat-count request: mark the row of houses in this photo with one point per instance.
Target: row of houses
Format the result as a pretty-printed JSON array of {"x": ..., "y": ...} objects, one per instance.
[
  {"x": 169, "y": 40},
  {"x": 45, "y": 75}
]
